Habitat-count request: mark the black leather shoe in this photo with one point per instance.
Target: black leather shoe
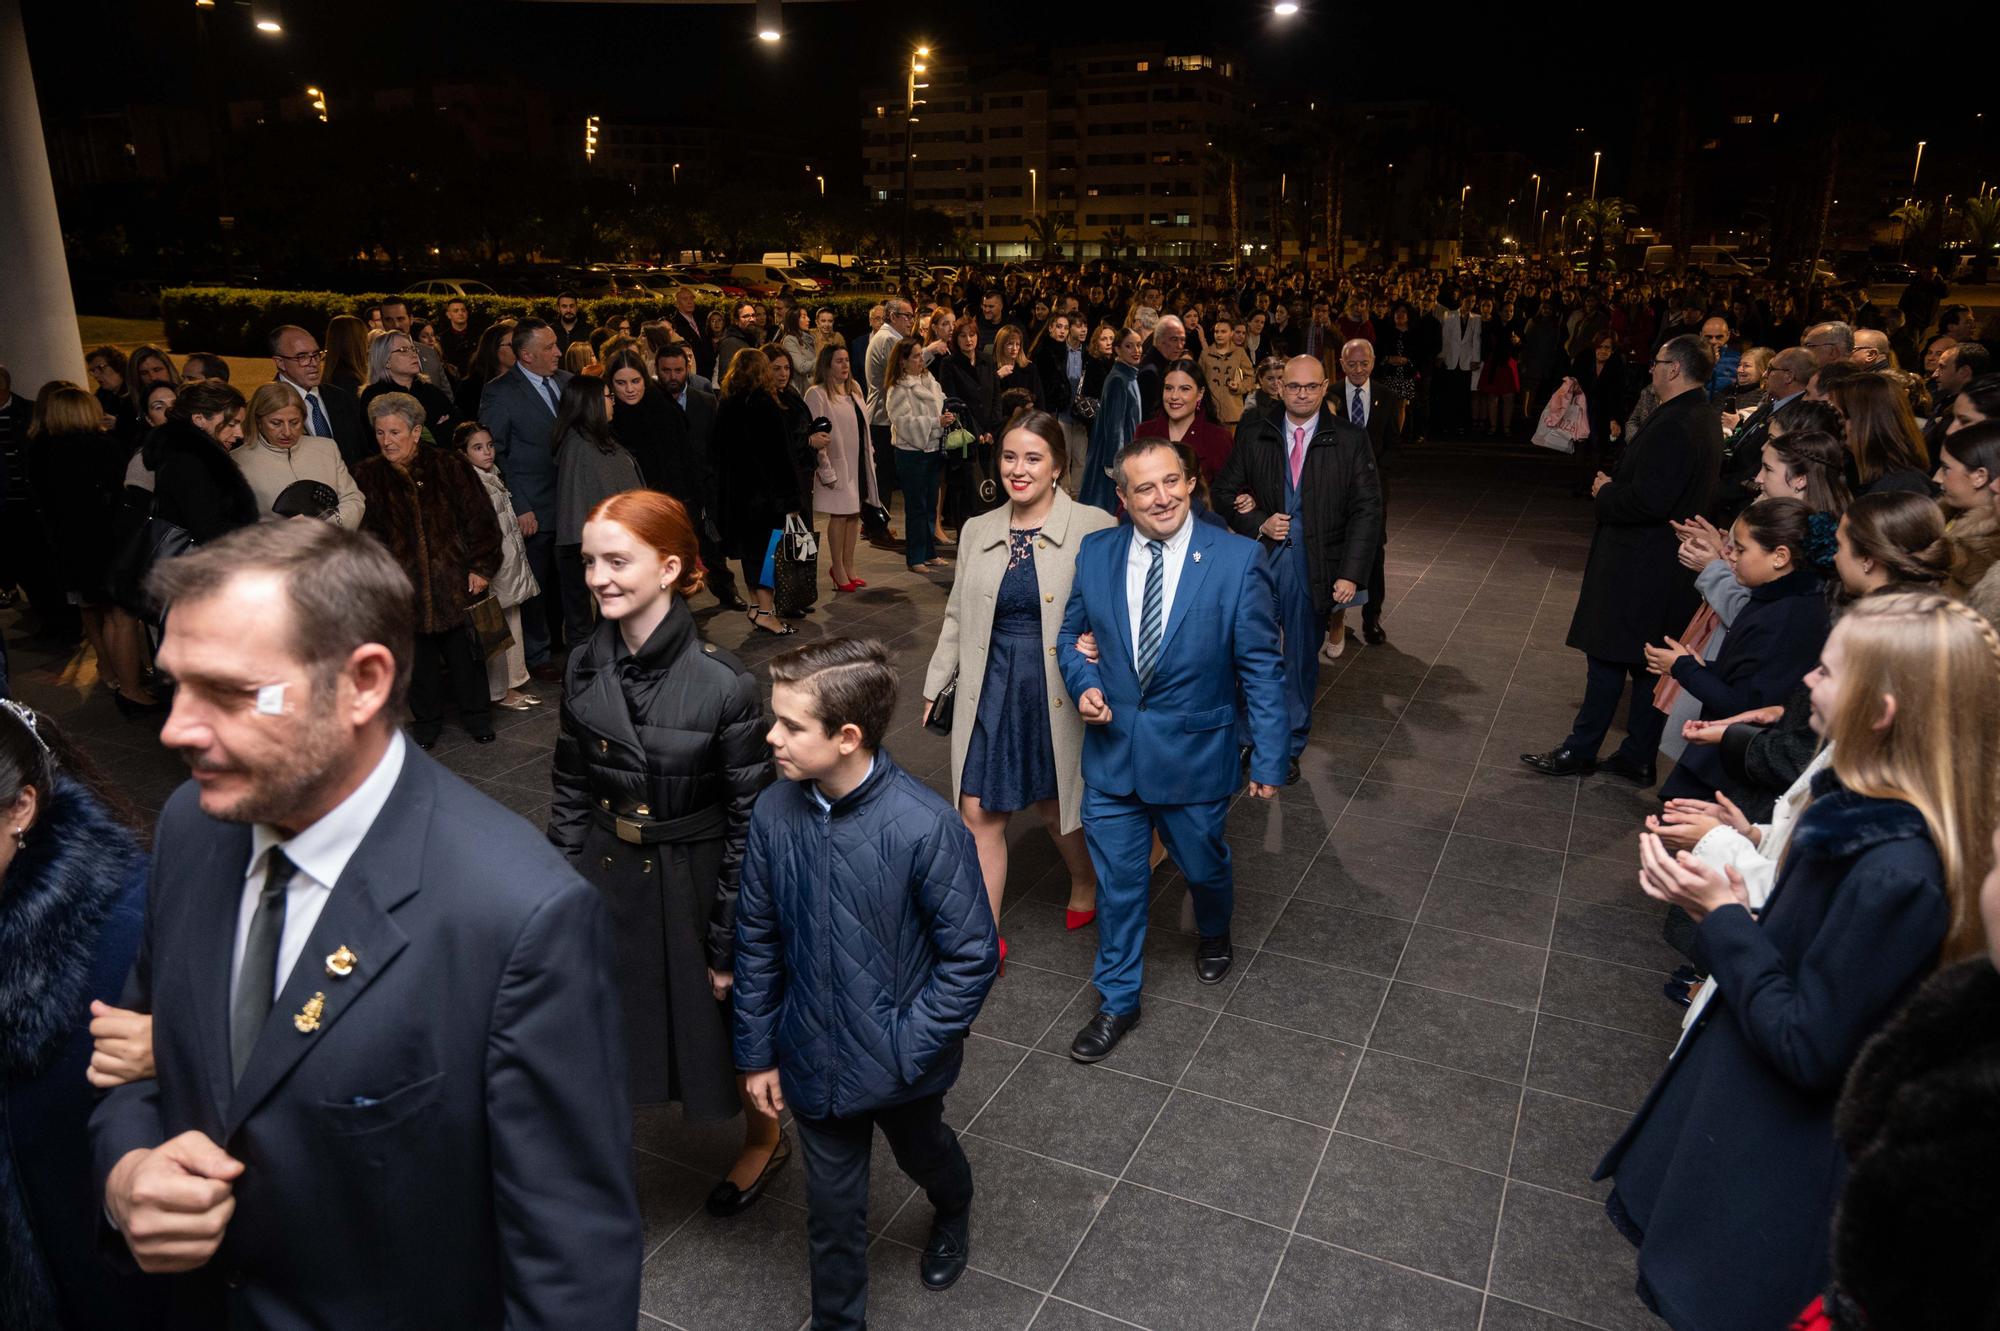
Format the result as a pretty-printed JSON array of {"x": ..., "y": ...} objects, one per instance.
[
  {"x": 1560, "y": 762},
  {"x": 726, "y": 1199},
  {"x": 945, "y": 1256},
  {"x": 1292, "y": 773},
  {"x": 1212, "y": 958},
  {"x": 1373, "y": 635},
  {"x": 1094, "y": 1043},
  {"x": 1619, "y": 765}
]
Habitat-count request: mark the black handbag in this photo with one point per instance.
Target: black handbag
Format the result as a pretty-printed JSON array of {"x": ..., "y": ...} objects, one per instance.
[
  {"x": 942, "y": 706},
  {"x": 143, "y": 539},
  {"x": 795, "y": 568}
]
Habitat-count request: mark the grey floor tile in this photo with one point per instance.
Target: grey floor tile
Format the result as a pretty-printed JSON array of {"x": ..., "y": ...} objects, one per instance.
[
  {"x": 1496, "y": 912},
  {"x": 1022, "y": 1003},
  {"x": 1170, "y": 956},
  {"x": 1158, "y": 1048},
  {"x": 1528, "y": 868},
  {"x": 1405, "y": 1208},
  {"x": 747, "y": 1273},
  {"x": 1330, "y": 936},
  {"x": 1251, "y": 916},
  {"x": 1450, "y": 775},
  {"x": 1414, "y": 805},
  {"x": 668, "y": 1195},
  {"x": 1628, "y": 937},
  {"x": 1561, "y": 1141},
  {"x": 1370, "y": 886},
  {"x": 1305, "y": 996},
  {"x": 1227, "y": 1156},
  {"x": 898, "y": 1300},
  {"x": 1513, "y": 823},
  {"x": 1610, "y": 995},
  {"x": 985, "y": 1068},
  {"x": 1028, "y": 1212},
  {"x": 1561, "y": 1253},
  {"x": 1502, "y": 1315},
  {"x": 1085, "y": 1116},
  {"x": 1300, "y": 1076},
  {"x": 1473, "y": 965},
  {"x": 1059, "y": 1316},
  {"x": 1358, "y": 838},
  {"x": 1604, "y": 882},
  {"x": 1595, "y": 1063},
  {"x": 1468, "y": 1034},
  {"x": 1037, "y": 936},
  {"x": 1432, "y": 1110},
  {"x": 1616, "y": 798},
  {"x": 1118, "y": 1269},
  {"x": 1325, "y": 1289}
]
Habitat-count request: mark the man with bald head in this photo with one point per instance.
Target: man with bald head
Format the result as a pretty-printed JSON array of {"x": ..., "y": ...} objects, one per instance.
[
  {"x": 1871, "y": 349},
  {"x": 1829, "y": 342},
  {"x": 1302, "y": 480},
  {"x": 1716, "y": 333}
]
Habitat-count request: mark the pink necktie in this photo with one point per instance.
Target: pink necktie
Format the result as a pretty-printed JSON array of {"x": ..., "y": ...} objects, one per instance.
[{"x": 1298, "y": 453}]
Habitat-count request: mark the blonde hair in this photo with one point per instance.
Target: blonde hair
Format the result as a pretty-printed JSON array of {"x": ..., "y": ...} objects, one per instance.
[
  {"x": 268, "y": 400},
  {"x": 1940, "y": 660}
]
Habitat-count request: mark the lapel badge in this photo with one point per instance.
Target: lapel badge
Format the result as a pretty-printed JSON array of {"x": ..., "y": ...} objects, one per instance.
[
  {"x": 308, "y": 1019},
  {"x": 1197, "y": 556},
  {"x": 340, "y": 964}
]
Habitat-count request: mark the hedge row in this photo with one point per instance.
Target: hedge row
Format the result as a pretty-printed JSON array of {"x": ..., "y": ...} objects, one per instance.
[{"x": 236, "y": 321}]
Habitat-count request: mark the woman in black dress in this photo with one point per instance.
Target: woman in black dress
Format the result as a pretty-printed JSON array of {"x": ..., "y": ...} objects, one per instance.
[
  {"x": 659, "y": 760},
  {"x": 758, "y": 486}
]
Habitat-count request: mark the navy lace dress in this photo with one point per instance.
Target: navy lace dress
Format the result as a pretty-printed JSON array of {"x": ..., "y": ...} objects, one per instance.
[{"x": 1010, "y": 761}]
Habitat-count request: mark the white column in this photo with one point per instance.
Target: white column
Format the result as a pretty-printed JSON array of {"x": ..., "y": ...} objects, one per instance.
[{"x": 38, "y": 335}]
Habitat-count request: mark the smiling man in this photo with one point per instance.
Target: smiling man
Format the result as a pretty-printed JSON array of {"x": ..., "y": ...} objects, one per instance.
[{"x": 390, "y": 1081}]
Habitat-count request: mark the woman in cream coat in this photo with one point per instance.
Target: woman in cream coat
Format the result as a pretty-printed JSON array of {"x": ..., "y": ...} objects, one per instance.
[
  {"x": 1015, "y": 740},
  {"x": 277, "y": 452}
]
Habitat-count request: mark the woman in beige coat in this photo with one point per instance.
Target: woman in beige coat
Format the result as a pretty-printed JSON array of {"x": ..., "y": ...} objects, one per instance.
[{"x": 1015, "y": 740}]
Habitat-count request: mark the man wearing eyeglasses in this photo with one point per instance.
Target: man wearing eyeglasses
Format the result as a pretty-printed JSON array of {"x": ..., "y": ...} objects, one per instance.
[
  {"x": 1303, "y": 481},
  {"x": 331, "y": 411},
  {"x": 899, "y": 320},
  {"x": 1635, "y": 591},
  {"x": 1829, "y": 342},
  {"x": 1785, "y": 380}
]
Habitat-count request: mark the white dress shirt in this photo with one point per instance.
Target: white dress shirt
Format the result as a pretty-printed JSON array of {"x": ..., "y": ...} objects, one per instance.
[
  {"x": 307, "y": 398},
  {"x": 1353, "y": 391},
  {"x": 1141, "y": 559},
  {"x": 321, "y": 853}
]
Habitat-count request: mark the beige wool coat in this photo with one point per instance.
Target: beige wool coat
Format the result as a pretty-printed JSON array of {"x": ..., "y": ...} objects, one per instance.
[{"x": 968, "y": 632}]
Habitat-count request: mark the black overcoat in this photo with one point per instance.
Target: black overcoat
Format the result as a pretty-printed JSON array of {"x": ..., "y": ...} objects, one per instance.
[{"x": 1635, "y": 591}]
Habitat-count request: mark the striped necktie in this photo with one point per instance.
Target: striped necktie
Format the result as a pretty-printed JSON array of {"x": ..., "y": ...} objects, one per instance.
[{"x": 1149, "y": 614}]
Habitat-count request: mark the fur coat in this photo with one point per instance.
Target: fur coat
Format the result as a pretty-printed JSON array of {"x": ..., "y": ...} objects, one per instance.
[
  {"x": 72, "y": 907},
  {"x": 437, "y": 521}
]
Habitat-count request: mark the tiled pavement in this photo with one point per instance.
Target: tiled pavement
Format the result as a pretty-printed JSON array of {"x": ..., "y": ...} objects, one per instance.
[{"x": 1445, "y": 1001}]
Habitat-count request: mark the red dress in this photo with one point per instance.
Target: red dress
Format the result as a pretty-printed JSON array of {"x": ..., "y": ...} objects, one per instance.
[{"x": 1211, "y": 443}]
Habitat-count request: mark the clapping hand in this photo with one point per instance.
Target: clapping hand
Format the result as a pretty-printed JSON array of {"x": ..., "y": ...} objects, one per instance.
[
  {"x": 1679, "y": 879},
  {"x": 1660, "y": 660},
  {"x": 1700, "y": 533},
  {"x": 1683, "y": 823}
]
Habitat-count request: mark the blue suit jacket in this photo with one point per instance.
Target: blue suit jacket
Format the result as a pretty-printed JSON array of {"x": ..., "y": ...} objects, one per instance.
[
  {"x": 451, "y": 1147},
  {"x": 523, "y": 431},
  {"x": 1175, "y": 743}
]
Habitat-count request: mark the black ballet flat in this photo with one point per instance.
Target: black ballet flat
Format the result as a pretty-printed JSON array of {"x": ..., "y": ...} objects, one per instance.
[{"x": 726, "y": 1199}]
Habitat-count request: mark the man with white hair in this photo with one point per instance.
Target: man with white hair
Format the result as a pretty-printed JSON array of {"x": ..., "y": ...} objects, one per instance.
[
  {"x": 1168, "y": 344},
  {"x": 1829, "y": 342}
]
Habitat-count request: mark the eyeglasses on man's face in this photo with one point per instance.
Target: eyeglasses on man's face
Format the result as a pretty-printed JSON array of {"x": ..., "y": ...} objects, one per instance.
[
  {"x": 1291, "y": 387},
  {"x": 305, "y": 358}
]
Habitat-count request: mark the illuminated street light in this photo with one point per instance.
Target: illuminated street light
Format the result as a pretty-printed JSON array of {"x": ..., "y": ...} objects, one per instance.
[
  {"x": 1285, "y": 8},
  {"x": 318, "y": 103},
  {"x": 590, "y": 138},
  {"x": 770, "y": 20},
  {"x": 1595, "y": 158},
  {"x": 264, "y": 14},
  {"x": 1918, "y": 167}
]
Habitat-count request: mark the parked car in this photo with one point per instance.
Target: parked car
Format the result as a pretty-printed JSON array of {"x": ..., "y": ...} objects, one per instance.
[
  {"x": 1715, "y": 260},
  {"x": 1891, "y": 273},
  {"x": 444, "y": 288}
]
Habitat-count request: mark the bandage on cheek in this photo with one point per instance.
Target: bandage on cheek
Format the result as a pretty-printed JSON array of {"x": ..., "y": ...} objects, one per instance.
[{"x": 271, "y": 700}]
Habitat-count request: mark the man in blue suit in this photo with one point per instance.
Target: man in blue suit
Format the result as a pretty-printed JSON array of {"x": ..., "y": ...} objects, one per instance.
[
  {"x": 1182, "y": 615},
  {"x": 519, "y": 409},
  {"x": 391, "y": 1082}
]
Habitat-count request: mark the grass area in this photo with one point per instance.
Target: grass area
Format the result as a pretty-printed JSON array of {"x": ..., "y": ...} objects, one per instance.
[{"x": 96, "y": 330}]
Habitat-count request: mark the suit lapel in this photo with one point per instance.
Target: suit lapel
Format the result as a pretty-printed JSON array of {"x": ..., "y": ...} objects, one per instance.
[
  {"x": 1193, "y": 570},
  {"x": 380, "y": 877},
  {"x": 1116, "y": 554},
  {"x": 210, "y": 924}
]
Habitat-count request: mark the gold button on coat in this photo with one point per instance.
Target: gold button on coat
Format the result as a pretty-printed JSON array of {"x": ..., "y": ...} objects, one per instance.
[
  {"x": 643, "y": 811},
  {"x": 604, "y": 746},
  {"x": 607, "y": 863},
  {"x": 645, "y": 866},
  {"x": 1055, "y": 702}
]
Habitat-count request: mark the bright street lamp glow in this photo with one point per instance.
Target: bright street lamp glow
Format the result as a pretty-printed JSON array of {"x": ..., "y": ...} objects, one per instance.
[
  {"x": 1285, "y": 8},
  {"x": 269, "y": 25}
]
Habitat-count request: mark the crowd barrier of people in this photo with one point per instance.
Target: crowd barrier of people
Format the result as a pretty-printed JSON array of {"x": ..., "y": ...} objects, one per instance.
[{"x": 354, "y": 1043}]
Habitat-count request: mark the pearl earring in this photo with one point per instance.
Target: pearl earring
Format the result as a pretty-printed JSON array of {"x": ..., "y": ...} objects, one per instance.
[{"x": 20, "y": 838}]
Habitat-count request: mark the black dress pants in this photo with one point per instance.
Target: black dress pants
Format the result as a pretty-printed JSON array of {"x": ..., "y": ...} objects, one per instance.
[
  {"x": 579, "y": 614},
  {"x": 437, "y": 654},
  {"x": 1602, "y": 689},
  {"x": 837, "y": 1152}
]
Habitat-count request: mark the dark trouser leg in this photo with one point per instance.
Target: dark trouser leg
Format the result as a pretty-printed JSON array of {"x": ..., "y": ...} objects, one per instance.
[
  {"x": 1420, "y": 408},
  {"x": 836, "y": 1152},
  {"x": 1378, "y": 586},
  {"x": 1603, "y": 686},
  {"x": 929, "y": 1153},
  {"x": 576, "y": 615},
  {"x": 886, "y": 479},
  {"x": 1645, "y": 724},
  {"x": 917, "y": 475},
  {"x": 536, "y": 643},
  {"x": 716, "y": 564},
  {"x": 427, "y": 688},
  {"x": 468, "y": 681}
]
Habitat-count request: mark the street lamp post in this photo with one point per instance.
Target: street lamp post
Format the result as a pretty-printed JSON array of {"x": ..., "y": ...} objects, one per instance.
[
  {"x": 1536, "y": 207},
  {"x": 1034, "y": 192},
  {"x": 917, "y": 67},
  {"x": 1595, "y": 158},
  {"x": 1463, "y": 191},
  {"x": 1918, "y": 167}
]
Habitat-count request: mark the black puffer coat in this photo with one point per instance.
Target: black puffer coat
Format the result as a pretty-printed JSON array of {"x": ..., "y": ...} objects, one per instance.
[
  {"x": 196, "y": 485},
  {"x": 675, "y": 728}
]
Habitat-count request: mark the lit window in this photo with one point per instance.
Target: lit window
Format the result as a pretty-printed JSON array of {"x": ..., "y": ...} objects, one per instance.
[
  {"x": 1742, "y": 120},
  {"x": 1144, "y": 66}
]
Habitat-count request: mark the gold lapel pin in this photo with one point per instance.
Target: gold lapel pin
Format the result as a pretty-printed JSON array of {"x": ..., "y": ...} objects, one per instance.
[
  {"x": 308, "y": 1019},
  {"x": 340, "y": 964}
]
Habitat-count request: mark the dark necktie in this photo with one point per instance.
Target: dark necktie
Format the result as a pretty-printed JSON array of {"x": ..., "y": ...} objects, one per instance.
[
  {"x": 1149, "y": 614},
  {"x": 257, "y": 978},
  {"x": 549, "y": 392},
  {"x": 320, "y": 425},
  {"x": 1354, "y": 411}
]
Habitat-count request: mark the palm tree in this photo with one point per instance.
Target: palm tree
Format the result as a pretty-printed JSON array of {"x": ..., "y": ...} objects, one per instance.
[
  {"x": 1598, "y": 216},
  {"x": 1048, "y": 231},
  {"x": 1981, "y": 220},
  {"x": 1222, "y": 169},
  {"x": 1115, "y": 241},
  {"x": 1915, "y": 217}
]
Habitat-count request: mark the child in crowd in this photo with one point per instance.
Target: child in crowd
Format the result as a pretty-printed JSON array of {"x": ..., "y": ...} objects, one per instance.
[{"x": 865, "y": 947}]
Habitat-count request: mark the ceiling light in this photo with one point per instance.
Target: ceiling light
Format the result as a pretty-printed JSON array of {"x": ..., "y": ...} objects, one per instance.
[{"x": 770, "y": 20}]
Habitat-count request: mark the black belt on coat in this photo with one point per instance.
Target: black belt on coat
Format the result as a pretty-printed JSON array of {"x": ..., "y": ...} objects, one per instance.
[{"x": 699, "y": 826}]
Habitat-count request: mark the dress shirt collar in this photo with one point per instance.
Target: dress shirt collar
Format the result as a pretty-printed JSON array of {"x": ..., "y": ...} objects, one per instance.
[
  {"x": 1176, "y": 544},
  {"x": 1778, "y": 402},
  {"x": 536, "y": 379},
  {"x": 322, "y": 851}
]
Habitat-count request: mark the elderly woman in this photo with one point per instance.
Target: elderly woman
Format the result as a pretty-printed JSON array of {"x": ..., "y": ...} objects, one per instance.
[
  {"x": 429, "y": 507},
  {"x": 277, "y": 453},
  {"x": 393, "y": 367},
  {"x": 1748, "y": 390}
]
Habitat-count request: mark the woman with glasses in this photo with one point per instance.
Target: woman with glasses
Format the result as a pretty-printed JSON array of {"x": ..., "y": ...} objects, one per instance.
[{"x": 393, "y": 367}]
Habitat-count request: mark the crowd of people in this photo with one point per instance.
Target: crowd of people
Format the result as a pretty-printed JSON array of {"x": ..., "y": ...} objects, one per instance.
[{"x": 1162, "y": 495}]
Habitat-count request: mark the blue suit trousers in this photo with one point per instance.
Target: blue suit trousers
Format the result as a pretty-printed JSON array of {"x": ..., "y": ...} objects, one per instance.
[{"x": 1119, "y": 831}]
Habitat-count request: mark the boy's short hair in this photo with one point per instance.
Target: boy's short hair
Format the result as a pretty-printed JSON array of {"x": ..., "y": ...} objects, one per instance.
[{"x": 850, "y": 683}]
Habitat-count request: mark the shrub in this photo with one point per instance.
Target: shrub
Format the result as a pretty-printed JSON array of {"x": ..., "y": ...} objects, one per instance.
[{"x": 235, "y": 321}]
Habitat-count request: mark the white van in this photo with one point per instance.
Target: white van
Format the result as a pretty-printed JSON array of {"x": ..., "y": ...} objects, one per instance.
[{"x": 1715, "y": 260}]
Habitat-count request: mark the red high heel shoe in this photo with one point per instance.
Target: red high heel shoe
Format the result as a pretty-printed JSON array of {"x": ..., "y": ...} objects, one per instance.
[
  {"x": 1077, "y": 919},
  {"x": 1003, "y": 956},
  {"x": 858, "y": 582},
  {"x": 853, "y": 585}
]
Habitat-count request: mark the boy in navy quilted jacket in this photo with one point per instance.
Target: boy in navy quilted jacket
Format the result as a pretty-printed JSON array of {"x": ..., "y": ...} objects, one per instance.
[{"x": 864, "y": 948}]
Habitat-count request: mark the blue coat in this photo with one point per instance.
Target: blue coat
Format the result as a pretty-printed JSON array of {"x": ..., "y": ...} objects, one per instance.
[
  {"x": 1175, "y": 742},
  {"x": 1727, "y": 1176},
  {"x": 1114, "y": 426},
  {"x": 523, "y": 428},
  {"x": 71, "y": 911},
  {"x": 451, "y": 1145},
  {"x": 864, "y": 943}
]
